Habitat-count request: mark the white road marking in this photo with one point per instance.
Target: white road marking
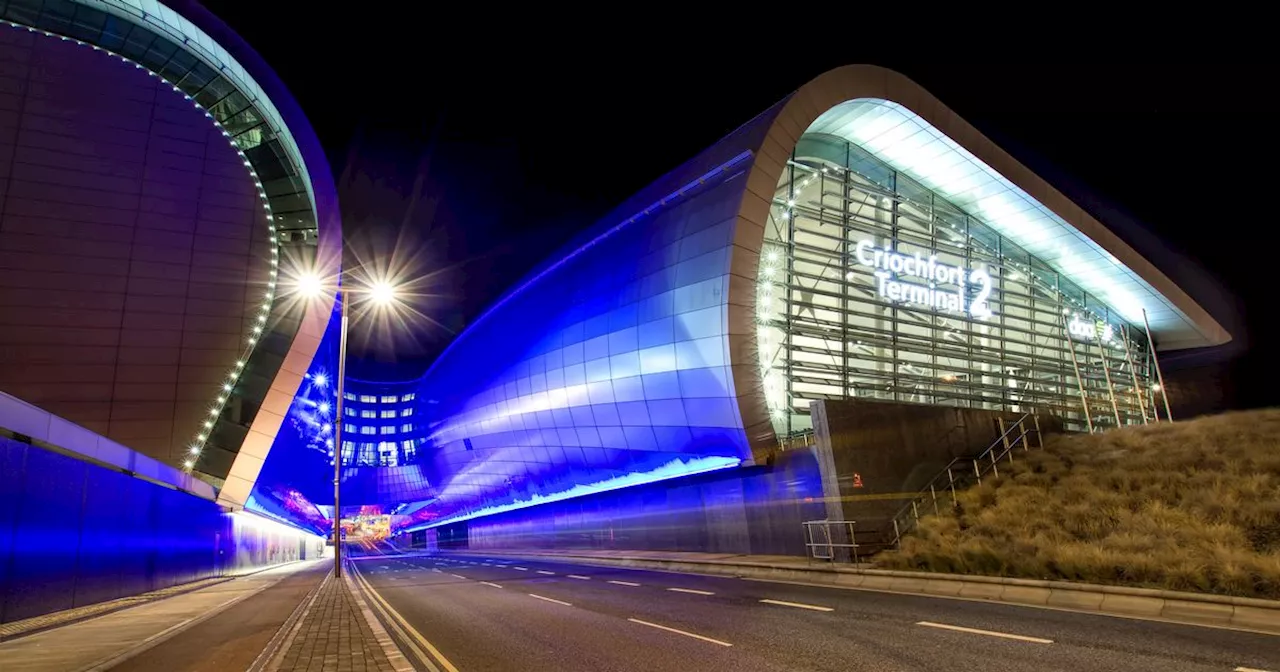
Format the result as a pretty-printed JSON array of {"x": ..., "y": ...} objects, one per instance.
[
  {"x": 521, "y": 569},
  {"x": 435, "y": 570},
  {"x": 458, "y": 577},
  {"x": 490, "y": 584},
  {"x": 990, "y": 633},
  {"x": 548, "y": 573},
  {"x": 679, "y": 632},
  {"x": 1249, "y": 669},
  {"x": 624, "y": 583},
  {"x": 578, "y": 577},
  {"x": 797, "y": 605},
  {"x": 549, "y": 599},
  {"x": 691, "y": 591}
]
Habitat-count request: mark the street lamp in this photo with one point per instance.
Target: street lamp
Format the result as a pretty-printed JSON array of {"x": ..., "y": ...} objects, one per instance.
[{"x": 382, "y": 294}]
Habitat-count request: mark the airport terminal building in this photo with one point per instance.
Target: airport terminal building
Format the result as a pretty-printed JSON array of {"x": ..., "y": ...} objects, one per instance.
[{"x": 858, "y": 240}]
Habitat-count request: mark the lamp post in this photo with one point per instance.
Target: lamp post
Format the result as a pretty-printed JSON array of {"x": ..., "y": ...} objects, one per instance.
[{"x": 382, "y": 294}]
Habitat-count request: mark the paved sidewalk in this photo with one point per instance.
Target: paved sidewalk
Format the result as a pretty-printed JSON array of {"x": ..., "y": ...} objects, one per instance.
[
  {"x": 334, "y": 635},
  {"x": 27, "y": 626},
  {"x": 111, "y": 638}
]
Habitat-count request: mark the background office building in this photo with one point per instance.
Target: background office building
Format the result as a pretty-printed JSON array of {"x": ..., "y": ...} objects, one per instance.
[{"x": 380, "y": 427}]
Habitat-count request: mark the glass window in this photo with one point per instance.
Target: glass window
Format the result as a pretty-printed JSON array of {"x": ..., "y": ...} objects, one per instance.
[
  {"x": 389, "y": 429},
  {"x": 367, "y": 430},
  {"x": 349, "y": 397},
  {"x": 404, "y": 413},
  {"x": 406, "y": 428},
  {"x": 389, "y": 413},
  {"x": 366, "y": 413},
  {"x": 368, "y": 399},
  {"x": 388, "y": 398},
  {"x": 407, "y": 397}
]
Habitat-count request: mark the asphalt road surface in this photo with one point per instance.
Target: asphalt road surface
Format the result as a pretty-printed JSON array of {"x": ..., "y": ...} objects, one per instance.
[{"x": 503, "y": 614}]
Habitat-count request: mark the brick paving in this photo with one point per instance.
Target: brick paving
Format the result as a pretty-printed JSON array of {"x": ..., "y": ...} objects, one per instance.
[{"x": 334, "y": 636}]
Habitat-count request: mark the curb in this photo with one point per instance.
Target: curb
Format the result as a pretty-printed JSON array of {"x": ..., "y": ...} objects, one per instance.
[{"x": 1237, "y": 613}]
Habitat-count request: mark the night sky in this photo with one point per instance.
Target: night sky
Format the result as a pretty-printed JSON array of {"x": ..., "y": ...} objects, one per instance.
[{"x": 473, "y": 153}]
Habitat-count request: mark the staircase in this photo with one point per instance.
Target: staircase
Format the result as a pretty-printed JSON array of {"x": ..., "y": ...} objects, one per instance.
[
  {"x": 847, "y": 541},
  {"x": 1021, "y": 435}
]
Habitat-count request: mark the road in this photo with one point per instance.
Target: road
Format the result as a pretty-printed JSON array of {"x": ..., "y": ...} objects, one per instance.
[{"x": 502, "y": 614}]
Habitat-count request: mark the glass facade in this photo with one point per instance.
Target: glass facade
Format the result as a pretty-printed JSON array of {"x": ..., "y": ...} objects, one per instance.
[
  {"x": 872, "y": 286},
  {"x": 377, "y": 433}
]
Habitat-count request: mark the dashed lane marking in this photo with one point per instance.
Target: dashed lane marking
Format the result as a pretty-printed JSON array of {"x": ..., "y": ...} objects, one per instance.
[
  {"x": 691, "y": 591},
  {"x": 679, "y": 632},
  {"x": 624, "y": 583},
  {"x": 490, "y": 584},
  {"x": 546, "y": 572},
  {"x": 578, "y": 577},
  {"x": 458, "y": 577},
  {"x": 989, "y": 633},
  {"x": 523, "y": 569},
  {"x": 797, "y": 605},
  {"x": 550, "y": 599}
]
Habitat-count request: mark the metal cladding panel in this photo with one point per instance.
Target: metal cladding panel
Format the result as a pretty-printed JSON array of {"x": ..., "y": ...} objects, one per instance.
[
  {"x": 609, "y": 368},
  {"x": 134, "y": 247}
]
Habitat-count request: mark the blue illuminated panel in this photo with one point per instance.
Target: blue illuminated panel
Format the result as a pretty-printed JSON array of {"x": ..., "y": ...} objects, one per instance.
[{"x": 612, "y": 369}]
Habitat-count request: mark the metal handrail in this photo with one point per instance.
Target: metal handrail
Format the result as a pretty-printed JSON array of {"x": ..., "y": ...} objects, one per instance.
[
  {"x": 826, "y": 548},
  {"x": 952, "y": 475}
]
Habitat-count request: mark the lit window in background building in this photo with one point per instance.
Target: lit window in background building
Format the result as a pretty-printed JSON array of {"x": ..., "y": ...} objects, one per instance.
[
  {"x": 406, "y": 412},
  {"x": 407, "y": 397},
  {"x": 389, "y": 413},
  {"x": 368, "y": 399},
  {"x": 367, "y": 430},
  {"x": 389, "y": 399},
  {"x": 368, "y": 414}
]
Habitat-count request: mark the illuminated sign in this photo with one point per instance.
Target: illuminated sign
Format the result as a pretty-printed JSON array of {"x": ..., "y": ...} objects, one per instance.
[
  {"x": 1089, "y": 330},
  {"x": 891, "y": 265}
]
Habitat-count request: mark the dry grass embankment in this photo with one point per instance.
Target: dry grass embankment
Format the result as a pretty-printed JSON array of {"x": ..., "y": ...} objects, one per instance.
[{"x": 1188, "y": 506}]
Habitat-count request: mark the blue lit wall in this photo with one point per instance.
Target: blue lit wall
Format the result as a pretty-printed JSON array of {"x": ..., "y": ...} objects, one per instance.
[
  {"x": 608, "y": 369},
  {"x": 755, "y": 510},
  {"x": 74, "y": 533}
]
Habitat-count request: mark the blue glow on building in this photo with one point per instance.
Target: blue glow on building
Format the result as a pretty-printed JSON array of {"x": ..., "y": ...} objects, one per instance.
[{"x": 673, "y": 469}]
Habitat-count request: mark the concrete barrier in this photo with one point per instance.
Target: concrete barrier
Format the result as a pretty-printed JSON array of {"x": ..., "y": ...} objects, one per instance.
[{"x": 1166, "y": 605}]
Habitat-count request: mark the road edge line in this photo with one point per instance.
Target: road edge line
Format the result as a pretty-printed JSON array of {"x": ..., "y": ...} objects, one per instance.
[
  {"x": 399, "y": 662},
  {"x": 427, "y": 654}
]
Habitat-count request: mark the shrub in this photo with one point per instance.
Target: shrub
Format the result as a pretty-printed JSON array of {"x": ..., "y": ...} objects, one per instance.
[{"x": 1192, "y": 505}]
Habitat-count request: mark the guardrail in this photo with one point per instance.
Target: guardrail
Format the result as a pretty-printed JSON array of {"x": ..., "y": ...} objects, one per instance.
[{"x": 964, "y": 471}]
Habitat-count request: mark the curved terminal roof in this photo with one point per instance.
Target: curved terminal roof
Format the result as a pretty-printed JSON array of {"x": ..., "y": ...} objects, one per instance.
[
  {"x": 202, "y": 59},
  {"x": 910, "y": 129},
  {"x": 913, "y": 146}
]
